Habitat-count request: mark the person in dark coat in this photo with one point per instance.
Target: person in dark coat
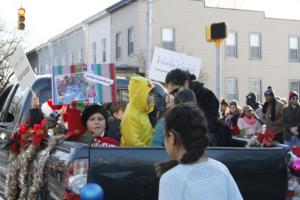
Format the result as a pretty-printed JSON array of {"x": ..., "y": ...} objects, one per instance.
[
  {"x": 291, "y": 121},
  {"x": 117, "y": 110},
  {"x": 272, "y": 110},
  {"x": 178, "y": 79}
]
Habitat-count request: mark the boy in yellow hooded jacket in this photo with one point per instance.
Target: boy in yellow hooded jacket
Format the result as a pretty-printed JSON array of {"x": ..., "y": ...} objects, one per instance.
[{"x": 136, "y": 129}]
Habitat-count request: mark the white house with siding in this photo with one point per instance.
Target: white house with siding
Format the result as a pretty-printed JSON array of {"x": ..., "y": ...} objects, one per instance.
[{"x": 258, "y": 52}]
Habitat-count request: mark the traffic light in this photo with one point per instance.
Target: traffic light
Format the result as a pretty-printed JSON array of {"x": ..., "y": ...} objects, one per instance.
[
  {"x": 218, "y": 31},
  {"x": 21, "y": 18},
  {"x": 208, "y": 33}
]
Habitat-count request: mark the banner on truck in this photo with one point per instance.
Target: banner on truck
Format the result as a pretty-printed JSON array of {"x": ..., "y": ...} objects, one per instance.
[{"x": 84, "y": 84}]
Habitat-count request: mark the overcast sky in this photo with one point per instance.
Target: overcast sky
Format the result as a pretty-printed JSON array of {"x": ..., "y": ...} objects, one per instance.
[{"x": 47, "y": 18}]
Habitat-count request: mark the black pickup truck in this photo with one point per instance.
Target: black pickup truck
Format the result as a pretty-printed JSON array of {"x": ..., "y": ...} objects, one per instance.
[{"x": 128, "y": 173}]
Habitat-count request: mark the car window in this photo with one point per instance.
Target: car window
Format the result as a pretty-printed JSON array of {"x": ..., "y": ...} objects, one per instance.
[
  {"x": 123, "y": 95},
  {"x": 42, "y": 87},
  {"x": 15, "y": 105},
  {"x": 4, "y": 96}
]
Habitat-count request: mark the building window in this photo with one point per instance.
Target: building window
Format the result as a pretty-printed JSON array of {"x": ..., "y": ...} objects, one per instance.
[
  {"x": 255, "y": 46},
  {"x": 231, "y": 45},
  {"x": 231, "y": 89},
  {"x": 130, "y": 42},
  {"x": 103, "y": 50},
  {"x": 80, "y": 55},
  {"x": 294, "y": 49},
  {"x": 295, "y": 86},
  {"x": 168, "y": 38},
  {"x": 94, "y": 53},
  {"x": 255, "y": 86},
  {"x": 118, "y": 46}
]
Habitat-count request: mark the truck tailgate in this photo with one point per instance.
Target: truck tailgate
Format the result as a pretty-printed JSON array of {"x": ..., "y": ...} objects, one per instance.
[{"x": 128, "y": 173}]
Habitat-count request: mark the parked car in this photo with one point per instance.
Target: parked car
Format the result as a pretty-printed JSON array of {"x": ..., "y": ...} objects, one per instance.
[{"x": 128, "y": 173}]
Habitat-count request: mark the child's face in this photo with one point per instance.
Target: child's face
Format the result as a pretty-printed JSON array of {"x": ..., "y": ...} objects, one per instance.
[
  {"x": 96, "y": 124},
  {"x": 119, "y": 114}
]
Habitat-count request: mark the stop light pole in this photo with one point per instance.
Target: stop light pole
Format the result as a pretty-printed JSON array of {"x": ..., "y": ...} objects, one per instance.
[
  {"x": 217, "y": 33},
  {"x": 218, "y": 68}
]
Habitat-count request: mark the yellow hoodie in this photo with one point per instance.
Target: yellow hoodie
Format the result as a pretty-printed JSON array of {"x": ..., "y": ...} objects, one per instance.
[{"x": 136, "y": 129}]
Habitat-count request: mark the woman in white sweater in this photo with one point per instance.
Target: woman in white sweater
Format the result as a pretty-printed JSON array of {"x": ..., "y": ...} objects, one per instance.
[
  {"x": 190, "y": 175},
  {"x": 248, "y": 123}
]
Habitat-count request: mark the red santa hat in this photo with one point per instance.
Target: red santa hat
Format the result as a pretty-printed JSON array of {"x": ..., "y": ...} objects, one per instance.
[{"x": 48, "y": 107}]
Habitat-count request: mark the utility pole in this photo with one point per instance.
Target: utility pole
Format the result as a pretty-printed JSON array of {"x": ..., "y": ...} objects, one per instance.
[
  {"x": 149, "y": 36},
  {"x": 218, "y": 68}
]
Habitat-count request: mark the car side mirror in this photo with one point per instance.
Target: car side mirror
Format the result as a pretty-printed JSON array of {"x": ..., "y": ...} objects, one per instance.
[{"x": 3, "y": 138}]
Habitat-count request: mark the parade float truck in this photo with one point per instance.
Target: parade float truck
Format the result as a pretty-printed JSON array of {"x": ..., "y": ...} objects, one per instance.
[{"x": 128, "y": 172}]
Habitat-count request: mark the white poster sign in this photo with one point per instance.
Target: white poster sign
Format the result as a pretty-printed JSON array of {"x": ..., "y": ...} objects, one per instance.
[
  {"x": 164, "y": 61},
  {"x": 22, "y": 68}
]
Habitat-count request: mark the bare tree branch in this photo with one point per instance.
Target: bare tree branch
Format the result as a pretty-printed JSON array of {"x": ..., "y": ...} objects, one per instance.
[{"x": 9, "y": 41}]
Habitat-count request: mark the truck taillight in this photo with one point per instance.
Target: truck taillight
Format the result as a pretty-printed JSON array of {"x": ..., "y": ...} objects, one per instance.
[{"x": 76, "y": 175}]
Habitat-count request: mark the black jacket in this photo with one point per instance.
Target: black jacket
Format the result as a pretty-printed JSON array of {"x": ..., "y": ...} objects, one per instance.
[
  {"x": 207, "y": 101},
  {"x": 291, "y": 118},
  {"x": 219, "y": 133},
  {"x": 114, "y": 130}
]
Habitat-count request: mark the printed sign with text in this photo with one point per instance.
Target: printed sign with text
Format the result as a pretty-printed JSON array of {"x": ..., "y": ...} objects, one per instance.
[
  {"x": 164, "y": 61},
  {"x": 22, "y": 68}
]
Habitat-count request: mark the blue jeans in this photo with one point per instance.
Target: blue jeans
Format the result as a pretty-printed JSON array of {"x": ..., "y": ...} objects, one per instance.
[{"x": 295, "y": 141}]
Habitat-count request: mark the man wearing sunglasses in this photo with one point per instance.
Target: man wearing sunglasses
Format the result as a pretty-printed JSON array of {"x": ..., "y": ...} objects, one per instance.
[
  {"x": 291, "y": 121},
  {"x": 177, "y": 80}
]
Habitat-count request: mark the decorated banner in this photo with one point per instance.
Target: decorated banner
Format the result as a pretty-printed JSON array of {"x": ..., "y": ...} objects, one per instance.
[{"x": 83, "y": 84}]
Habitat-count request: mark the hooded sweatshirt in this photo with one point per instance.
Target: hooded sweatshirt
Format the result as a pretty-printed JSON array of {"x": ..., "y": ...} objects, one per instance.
[{"x": 136, "y": 129}]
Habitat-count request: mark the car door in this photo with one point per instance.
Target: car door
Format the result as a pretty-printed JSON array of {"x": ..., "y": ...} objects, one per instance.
[
  {"x": 16, "y": 111},
  {"x": 10, "y": 111}
]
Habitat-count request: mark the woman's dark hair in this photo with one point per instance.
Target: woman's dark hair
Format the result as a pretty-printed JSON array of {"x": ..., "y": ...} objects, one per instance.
[
  {"x": 185, "y": 96},
  {"x": 189, "y": 126},
  {"x": 177, "y": 77},
  {"x": 273, "y": 108}
]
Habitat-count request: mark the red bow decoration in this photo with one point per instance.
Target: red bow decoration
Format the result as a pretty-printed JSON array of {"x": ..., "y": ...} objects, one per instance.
[
  {"x": 26, "y": 136},
  {"x": 235, "y": 131},
  {"x": 14, "y": 145},
  {"x": 38, "y": 135},
  {"x": 267, "y": 138}
]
